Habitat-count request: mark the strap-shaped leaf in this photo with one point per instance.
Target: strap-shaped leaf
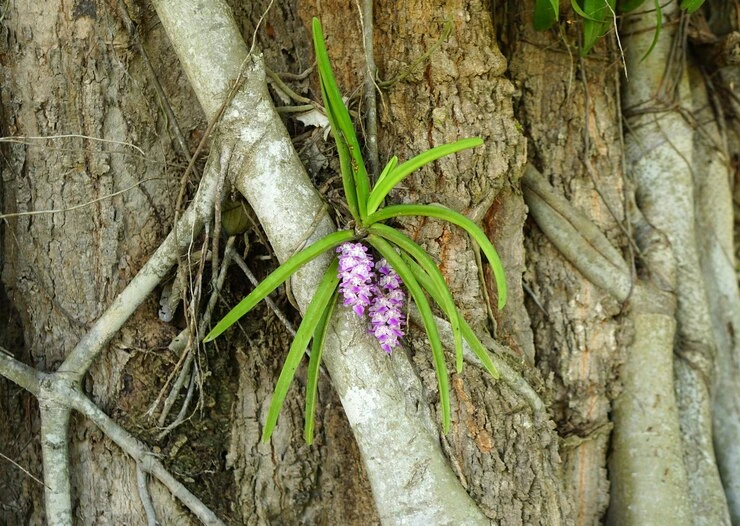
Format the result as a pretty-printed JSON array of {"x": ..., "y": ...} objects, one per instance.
[
  {"x": 545, "y": 14},
  {"x": 436, "y": 280},
  {"x": 341, "y": 124},
  {"x": 475, "y": 345},
  {"x": 594, "y": 24},
  {"x": 314, "y": 362},
  {"x": 311, "y": 319},
  {"x": 387, "y": 251},
  {"x": 442, "y": 212},
  {"x": 388, "y": 167},
  {"x": 398, "y": 174},
  {"x": 582, "y": 13},
  {"x": 345, "y": 161},
  {"x": 691, "y": 5},
  {"x": 278, "y": 276}
]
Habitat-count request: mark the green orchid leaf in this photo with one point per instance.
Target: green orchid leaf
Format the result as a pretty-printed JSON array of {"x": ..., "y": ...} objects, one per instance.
[
  {"x": 477, "y": 347},
  {"x": 306, "y": 331},
  {"x": 432, "y": 287},
  {"x": 278, "y": 276},
  {"x": 395, "y": 260},
  {"x": 398, "y": 174},
  {"x": 330, "y": 102},
  {"x": 582, "y": 13},
  {"x": 314, "y": 362},
  {"x": 353, "y": 166},
  {"x": 436, "y": 280},
  {"x": 691, "y": 5},
  {"x": 468, "y": 335},
  {"x": 594, "y": 26},
  {"x": 545, "y": 14},
  {"x": 441, "y": 212},
  {"x": 345, "y": 162},
  {"x": 388, "y": 167}
]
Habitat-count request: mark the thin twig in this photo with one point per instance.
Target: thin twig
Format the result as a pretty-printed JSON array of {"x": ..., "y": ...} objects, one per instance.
[
  {"x": 24, "y": 470},
  {"x": 295, "y": 109},
  {"x": 146, "y": 498},
  {"x": 183, "y": 367},
  {"x": 17, "y": 138},
  {"x": 619, "y": 42},
  {"x": 184, "y": 342},
  {"x": 136, "y": 449},
  {"x": 164, "y": 100},
  {"x": 180, "y": 418},
  {"x": 296, "y": 76},
  {"x": 318, "y": 216},
  {"x": 217, "y": 225},
  {"x": 371, "y": 114},
  {"x": 285, "y": 88},
  {"x": 81, "y": 205},
  {"x": 184, "y": 354}
]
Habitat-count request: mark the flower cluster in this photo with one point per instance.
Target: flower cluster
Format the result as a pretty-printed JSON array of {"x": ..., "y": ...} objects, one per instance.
[
  {"x": 378, "y": 289},
  {"x": 386, "y": 312}
]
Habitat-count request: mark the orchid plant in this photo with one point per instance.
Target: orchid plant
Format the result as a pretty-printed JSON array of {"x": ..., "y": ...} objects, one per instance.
[{"x": 368, "y": 285}]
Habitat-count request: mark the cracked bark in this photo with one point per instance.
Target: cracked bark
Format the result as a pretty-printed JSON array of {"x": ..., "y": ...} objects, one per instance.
[{"x": 72, "y": 68}]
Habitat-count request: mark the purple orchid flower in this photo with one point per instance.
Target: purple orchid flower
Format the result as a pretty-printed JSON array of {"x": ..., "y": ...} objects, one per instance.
[
  {"x": 356, "y": 276},
  {"x": 386, "y": 311},
  {"x": 379, "y": 289}
]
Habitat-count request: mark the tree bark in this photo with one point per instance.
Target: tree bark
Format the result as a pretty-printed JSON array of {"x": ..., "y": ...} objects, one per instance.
[{"x": 104, "y": 102}]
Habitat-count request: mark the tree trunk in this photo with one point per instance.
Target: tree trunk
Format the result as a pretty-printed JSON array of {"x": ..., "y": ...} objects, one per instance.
[{"x": 101, "y": 117}]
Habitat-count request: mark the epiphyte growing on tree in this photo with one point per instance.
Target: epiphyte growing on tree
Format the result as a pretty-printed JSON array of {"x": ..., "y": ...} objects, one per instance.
[{"x": 403, "y": 262}]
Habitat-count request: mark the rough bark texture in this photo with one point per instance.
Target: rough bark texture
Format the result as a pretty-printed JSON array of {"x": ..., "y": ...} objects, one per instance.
[
  {"x": 72, "y": 73},
  {"x": 77, "y": 71},
  {"x": 569, "y": 110}
]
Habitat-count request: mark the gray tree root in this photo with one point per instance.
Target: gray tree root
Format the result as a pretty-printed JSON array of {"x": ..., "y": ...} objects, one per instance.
[
  {"x": 57, "y": 396},
  {"x": 659, "y": 150},
  {"x": 716, "y": 252},
  {"x": 646, "y": 470}
]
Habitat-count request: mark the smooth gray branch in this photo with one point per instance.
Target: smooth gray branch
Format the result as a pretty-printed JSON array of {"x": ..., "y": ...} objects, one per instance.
[
  {"x": 70, "y": 393},
  {"x": 57, "y": 395},
  {"x": 577, "y": 238},
  {"x": 146, "y": 498}
]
